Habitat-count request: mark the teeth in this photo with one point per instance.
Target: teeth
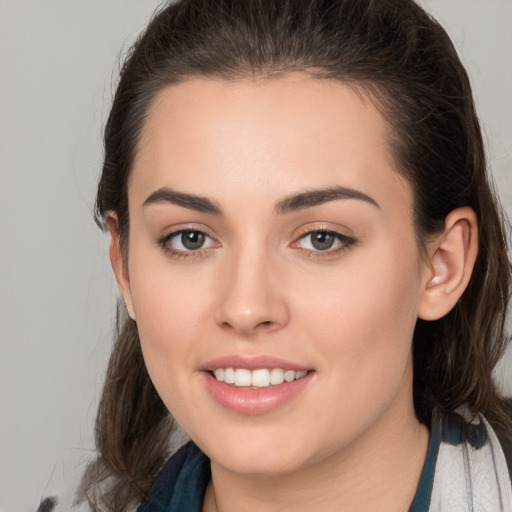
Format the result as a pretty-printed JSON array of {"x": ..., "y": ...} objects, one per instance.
[
  {"x": 276, "y": 376},
  {"x": 229, "y": 376},
  {"x": 262, "y": 378},
  {"x": 289, "y": 375},
  {"x": 242, "y": 378}
]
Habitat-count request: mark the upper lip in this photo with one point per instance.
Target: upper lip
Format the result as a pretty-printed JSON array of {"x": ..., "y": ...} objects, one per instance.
[{"x": 251, "y": 363}]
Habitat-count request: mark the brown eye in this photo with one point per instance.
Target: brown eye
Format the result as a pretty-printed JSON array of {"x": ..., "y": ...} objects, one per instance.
[
  {"x": 192, "y": 240},
  {"x": 325, "y": 241},
  {"x": 322, "y": 240},
  {"x": 186, "y": 241}
]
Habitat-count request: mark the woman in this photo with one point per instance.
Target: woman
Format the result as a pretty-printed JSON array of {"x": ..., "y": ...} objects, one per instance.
[{"x": 312, "y": 262}]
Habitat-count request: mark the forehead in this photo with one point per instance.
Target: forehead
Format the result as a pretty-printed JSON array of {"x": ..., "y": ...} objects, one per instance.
[{"x": 262, "y": 137}]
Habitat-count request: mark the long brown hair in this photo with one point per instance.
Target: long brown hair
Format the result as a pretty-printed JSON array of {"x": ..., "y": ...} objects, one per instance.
[{"x": 403, "y": 59}]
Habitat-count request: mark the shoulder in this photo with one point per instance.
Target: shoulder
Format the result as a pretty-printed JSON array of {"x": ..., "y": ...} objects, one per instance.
[
  {"x": 184, "y": 476},
  {"x": 505, "y": 439},
  {"x": 472, "y": 466}
]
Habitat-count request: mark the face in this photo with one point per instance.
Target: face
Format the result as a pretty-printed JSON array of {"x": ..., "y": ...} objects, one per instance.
[{"x": 271, "y": 243}]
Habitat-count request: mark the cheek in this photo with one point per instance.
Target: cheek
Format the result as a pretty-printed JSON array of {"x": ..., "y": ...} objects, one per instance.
[
  {"x": 363, "y": 319},
  {"x": 170, "y": 313},
  {"x": 165, "y": 294},
  {"x": 171, "y": 308}
]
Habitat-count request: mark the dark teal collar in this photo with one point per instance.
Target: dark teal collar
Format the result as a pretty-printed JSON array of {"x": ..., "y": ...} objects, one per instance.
[{"x": 181, "y": 484}]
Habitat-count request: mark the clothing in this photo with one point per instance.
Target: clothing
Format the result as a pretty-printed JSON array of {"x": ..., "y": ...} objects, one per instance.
[{"x": 467, "y": 469}]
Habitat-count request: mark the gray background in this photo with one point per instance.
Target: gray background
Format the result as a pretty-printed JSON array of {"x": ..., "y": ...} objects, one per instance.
[{"x": 58, "y": 61}]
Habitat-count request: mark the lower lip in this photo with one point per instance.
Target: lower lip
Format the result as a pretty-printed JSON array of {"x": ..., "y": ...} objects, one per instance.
[{"x": 255, "y": 401}]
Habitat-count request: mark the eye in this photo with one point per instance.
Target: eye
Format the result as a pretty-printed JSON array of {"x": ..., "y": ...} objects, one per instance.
[
  {"x": 186, "y": 241},
  {"x": 324, "y": 241}
]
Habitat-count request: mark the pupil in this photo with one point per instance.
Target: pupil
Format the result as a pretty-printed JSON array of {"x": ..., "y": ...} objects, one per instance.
[
  {"x": 322, "y": 241},
  {"x": 192, "y": 240}
]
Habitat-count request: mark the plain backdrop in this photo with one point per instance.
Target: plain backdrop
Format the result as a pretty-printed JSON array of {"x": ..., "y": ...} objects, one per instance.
[{"x": 59, "y": 63}]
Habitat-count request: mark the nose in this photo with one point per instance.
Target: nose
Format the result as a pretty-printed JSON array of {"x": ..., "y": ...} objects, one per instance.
[{"x": 252, "y": 298}]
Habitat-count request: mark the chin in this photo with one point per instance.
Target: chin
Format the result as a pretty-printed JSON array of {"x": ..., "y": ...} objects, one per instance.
[
  {"x": 258, "y": 453},
  {"x": 250, "y": 464}
]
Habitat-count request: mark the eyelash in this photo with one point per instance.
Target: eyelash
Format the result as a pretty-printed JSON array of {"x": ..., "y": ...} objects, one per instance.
[
  {"x": 345, "y": 242},
  {"x": 164, "y": 243}
]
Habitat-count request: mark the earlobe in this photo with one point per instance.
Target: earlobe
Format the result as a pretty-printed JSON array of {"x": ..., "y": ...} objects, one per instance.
[
  {"x": 451, "y": 259},
  {"x": 118, "y": 263}
]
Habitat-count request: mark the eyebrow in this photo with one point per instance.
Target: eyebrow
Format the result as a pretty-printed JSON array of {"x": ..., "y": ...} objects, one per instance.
[
  {"x": 312, "y": 198},
  {"x": 190, "y": 201},
  {"x": 291, "y": 203}
]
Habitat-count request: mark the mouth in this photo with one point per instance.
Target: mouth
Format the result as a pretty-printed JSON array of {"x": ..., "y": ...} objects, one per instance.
[
  {"x": 256, "y": 379},
  {"x": 255, "y": 385}
]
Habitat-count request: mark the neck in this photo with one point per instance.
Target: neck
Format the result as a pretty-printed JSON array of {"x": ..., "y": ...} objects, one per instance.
[{"x": 378, "y": 471}]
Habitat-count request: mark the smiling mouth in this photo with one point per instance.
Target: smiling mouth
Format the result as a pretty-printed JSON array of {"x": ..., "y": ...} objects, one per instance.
[{"x": 256, "y": 379}]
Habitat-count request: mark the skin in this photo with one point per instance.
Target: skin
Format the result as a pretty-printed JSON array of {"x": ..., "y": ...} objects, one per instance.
[{"x": 350, "y": 440}]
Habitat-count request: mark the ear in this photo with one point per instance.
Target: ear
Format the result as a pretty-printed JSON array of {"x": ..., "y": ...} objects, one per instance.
[
  {"x": 451, "y": 258},
  {"x": 118, "y": 262}
]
